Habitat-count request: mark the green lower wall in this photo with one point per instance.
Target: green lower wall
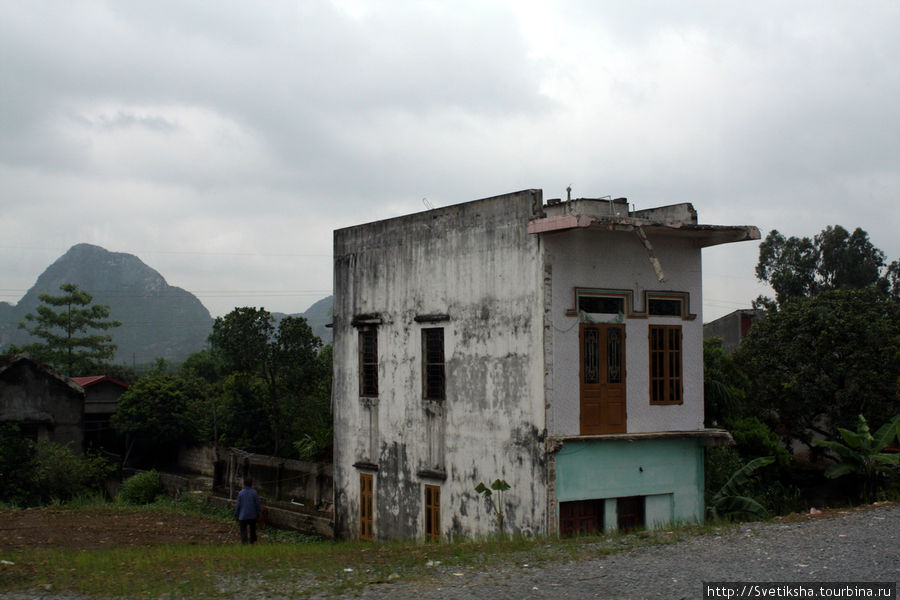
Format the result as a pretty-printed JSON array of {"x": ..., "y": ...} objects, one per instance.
[{"x": 668, "y": 472}]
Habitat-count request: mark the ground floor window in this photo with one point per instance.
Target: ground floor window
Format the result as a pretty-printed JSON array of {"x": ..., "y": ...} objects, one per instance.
[
  {"x": 630, "y": 513},
  {"x": 432, "y": 513},
  {"x": 366, "y": 502},
  {"x": 581, "y": 517}
]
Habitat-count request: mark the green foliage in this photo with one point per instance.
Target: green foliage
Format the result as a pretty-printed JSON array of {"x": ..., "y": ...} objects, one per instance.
[
  {"x": 731, "y": 502},
  {"x": 833, "y": 259},
  {"x": 724, "y": 385},
  {"x": 862, "y": 454},
  {"x": 499, "y": 486},
  {"x": 142, "y": 488},
  {"x": 16, "y": 452},
  {"x": 69, "y": 342},
  {"x": 753, "y": 439},
  {"x": 817, "y": 362},
  {"x": 34, "y": 473},
  {"x": 56, "y": 473},
  {"x": 276, "y": 388},
  {"x": 204, "y": 364},
  {"x": 156, "y": 409}
]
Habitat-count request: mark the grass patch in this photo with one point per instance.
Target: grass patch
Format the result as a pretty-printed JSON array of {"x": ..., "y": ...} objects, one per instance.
[{"x": 286, "y": 565}]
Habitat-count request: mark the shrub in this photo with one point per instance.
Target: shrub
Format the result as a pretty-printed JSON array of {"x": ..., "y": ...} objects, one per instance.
[
  {"x": 16, "y": 452},
  {"x": 58, "y": 474},
  {"x": 142, "y": 488}
]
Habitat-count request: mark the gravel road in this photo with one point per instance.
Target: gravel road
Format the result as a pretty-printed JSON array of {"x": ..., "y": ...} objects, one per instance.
[{"x": 861, "y": 545}]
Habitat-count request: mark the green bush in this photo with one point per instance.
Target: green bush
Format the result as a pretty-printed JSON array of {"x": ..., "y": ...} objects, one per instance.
[
  {"x": 142, "y": 488},
  {"x": 58, "y": 474},
  {"x": 16, "y": 452}
]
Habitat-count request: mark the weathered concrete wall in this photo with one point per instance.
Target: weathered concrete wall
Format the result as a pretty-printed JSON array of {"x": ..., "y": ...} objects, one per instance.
[
  {"x": 616, "y": 260},
  {"x": 198, "y": 459},
  {"x": 39, "y": 399},
  {"x": 476, "y": 264}
]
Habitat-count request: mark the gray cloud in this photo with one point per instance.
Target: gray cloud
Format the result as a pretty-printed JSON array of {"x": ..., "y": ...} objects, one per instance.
[{"x": 222, "y": 142}]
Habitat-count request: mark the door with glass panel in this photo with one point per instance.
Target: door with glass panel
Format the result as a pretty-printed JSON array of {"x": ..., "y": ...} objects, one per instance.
[{"x": 602, "y": 378}]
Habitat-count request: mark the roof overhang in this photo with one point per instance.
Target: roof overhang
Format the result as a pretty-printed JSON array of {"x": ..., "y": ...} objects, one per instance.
[
  {"x": 702, "y": 236},
  {"x": 707, "y": 437}
]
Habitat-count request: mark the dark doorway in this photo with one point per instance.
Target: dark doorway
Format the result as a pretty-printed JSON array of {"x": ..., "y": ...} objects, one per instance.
[
  {"x": 581, "y": 517},
  {"x": 630, "y": 513}
]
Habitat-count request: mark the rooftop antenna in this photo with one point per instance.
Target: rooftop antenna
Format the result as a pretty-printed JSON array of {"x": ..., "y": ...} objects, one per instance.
[
  {"x": 427, "y": 204},
  {"x": 569, "y": 193}
]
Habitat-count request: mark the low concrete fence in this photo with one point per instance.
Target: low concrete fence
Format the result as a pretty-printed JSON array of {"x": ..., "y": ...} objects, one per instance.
[{"x": 297, "y": 494}]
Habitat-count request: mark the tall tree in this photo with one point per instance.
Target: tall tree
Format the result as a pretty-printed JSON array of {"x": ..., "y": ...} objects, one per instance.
[
  {"x": 819, "y": 362},
  {"x": 67, "y": 324},
  {"x": 833, "y": 259},
  {"x": 278, "y": 367}
]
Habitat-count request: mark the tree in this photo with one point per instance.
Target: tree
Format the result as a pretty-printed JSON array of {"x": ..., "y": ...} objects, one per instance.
[
  {"x": 724, "y": 385},
  {"x": 818, "y": 362},
  {"x": 833, "y": 259},
  {"x": 275, "y": 374},
  {"x": 156, "y": 412},
  {"x": 69, "y": 343}
]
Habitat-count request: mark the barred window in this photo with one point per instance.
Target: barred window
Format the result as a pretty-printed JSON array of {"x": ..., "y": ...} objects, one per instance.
[
  {"x": 368, "y": 362},
  {"x": 433, "y": 381},
  {"x": 665, "y": 364}
]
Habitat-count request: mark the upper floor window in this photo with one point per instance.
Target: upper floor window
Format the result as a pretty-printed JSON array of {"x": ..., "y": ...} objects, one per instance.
[
  {"x": 368, "y": 362},
  {"x": 601, "y": 304},
  {"x": 433, "y": 381},
  {"x": 665, "y": 364},
  {"x": 665, "y": 307}
]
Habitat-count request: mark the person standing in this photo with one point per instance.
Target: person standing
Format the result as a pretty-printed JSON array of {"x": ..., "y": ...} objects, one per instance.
[{"x": 247, "y": 510}]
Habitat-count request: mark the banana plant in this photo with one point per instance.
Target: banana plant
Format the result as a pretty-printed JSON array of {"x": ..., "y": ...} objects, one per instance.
[
  {"x": 863, "y": 454},
  {"x": 498, "y": 486},
  {"x": 730, "y": 503}
]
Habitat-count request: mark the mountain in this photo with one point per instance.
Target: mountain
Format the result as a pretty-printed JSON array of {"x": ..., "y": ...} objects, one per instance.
[{"x": 158, "y": 320}]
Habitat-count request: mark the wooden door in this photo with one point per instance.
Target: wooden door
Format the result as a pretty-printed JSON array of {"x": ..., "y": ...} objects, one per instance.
[{"x": 602, "y": 378}]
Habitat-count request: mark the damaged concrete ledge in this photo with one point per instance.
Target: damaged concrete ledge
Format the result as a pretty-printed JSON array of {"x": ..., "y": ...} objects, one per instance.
[{"x": 707, "y": 437}]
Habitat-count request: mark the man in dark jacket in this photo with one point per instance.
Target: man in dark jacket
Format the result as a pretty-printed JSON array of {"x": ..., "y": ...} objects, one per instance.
[{"x": 247, "y": 510}]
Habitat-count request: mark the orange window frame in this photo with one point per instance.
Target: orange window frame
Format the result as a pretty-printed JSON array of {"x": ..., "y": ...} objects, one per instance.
[
  {"x": 666, "y": 364},
  {"x": 432, "y": 513}
]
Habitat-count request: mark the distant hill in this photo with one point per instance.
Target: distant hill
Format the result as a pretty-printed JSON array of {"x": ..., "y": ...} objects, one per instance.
[
  {"x": 319, "y": 315},
  {"x": 158, "y": 320}
]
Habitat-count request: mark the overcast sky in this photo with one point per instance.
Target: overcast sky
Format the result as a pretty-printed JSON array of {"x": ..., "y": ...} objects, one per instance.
[{"x": 222, "y": 142}]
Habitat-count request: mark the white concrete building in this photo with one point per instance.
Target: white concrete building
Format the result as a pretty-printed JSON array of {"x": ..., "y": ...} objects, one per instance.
[{"x": 557, "y": 347}]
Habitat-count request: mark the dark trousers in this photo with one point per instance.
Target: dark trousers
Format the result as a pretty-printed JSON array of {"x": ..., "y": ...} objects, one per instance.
[{"x": 245, "y": 523}]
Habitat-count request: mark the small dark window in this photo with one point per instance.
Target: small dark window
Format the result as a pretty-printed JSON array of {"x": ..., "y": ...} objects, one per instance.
[
  {"x": 368, "y": 362},
  {"x": 581, "y": 517},
  {"x": 630, "y": 513},
  {"x": 433, "y": 387},
  {"x": 664, "y": 307},
  {"x": 601, "y": 304}
]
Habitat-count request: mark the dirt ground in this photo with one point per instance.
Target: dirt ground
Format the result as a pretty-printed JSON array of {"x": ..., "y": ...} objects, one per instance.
[{"x": 101, "y": 528}]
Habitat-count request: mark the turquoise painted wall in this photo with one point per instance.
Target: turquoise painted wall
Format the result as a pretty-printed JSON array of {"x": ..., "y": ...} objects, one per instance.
[{"x": 669, "y": 472}]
